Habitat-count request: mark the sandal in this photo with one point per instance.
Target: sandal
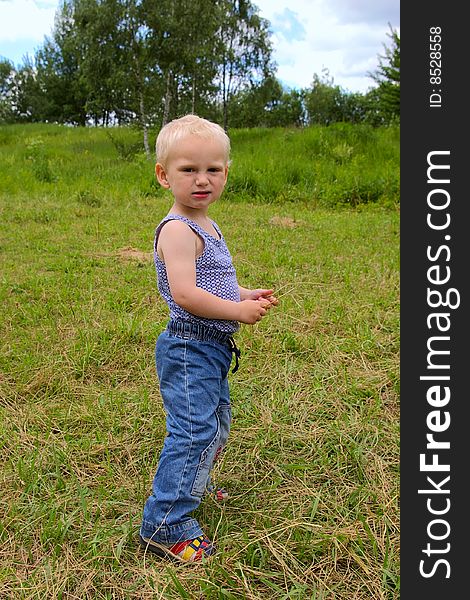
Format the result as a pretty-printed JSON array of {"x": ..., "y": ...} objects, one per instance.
[
  {"x": 186, "y": 551},
  {"x": 219, "y": 494}
]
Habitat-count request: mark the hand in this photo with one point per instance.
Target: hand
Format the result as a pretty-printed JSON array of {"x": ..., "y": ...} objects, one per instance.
[
  {"x": 265, "y": 294},
  {"x": 252, "y": 311}
]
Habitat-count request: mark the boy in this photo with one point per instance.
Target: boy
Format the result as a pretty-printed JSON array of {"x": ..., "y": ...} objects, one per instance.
[{"x": 197, "y": 280}]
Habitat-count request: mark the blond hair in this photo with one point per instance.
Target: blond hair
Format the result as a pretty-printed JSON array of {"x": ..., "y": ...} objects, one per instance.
[{"x": 176, "y": 130}]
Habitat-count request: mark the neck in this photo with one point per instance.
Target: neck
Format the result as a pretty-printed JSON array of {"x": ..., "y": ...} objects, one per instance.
[{"x": 194, "y": 214}]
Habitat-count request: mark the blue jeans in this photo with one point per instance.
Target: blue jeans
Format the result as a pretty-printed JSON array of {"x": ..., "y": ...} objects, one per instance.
[{"x": 194, "y": 387}]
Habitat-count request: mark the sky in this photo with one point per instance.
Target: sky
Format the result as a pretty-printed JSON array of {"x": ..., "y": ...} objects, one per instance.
[{"x": 344, "y": 37}]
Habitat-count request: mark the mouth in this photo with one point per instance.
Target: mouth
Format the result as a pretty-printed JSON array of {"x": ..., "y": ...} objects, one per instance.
[{"x": 200, "y": 194}]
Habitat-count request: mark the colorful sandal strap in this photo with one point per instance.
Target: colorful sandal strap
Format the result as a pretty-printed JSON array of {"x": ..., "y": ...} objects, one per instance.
[
  {"x": 193, "y": 550},
  {"x": 220, "y": 494}
]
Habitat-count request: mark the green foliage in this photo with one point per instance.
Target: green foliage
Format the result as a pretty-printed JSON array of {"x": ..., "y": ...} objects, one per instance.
[
  {"x": 323, "y": 101},
  {"x": 6, "y": 91},
  {"x": 126, "y": 148},
  {"x": 87, "y": 197},
  {"x": 341, "y": 164},
  {"x": 267, "y": 104},
  {"x": 245, "y": 52},
  {"x": 60, "y": 91},
  {"x": 184, "y": 55},
  {"x": 144, "y": 62},
  {"x": 326, "y": 166},
  {"x": 386, "y": 97},
  {"x": 37, "y": 156}
]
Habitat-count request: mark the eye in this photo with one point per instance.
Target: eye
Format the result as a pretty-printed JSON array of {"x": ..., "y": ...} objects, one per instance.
[{"x": 214, "y": 170}]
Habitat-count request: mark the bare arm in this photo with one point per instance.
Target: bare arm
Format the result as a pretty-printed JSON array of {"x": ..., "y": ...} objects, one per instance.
[{"x": 177, "y": 244}]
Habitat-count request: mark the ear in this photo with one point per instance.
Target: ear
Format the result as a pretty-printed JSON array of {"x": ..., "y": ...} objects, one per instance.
[
  {"x": 226, "y": 174},
  {"x": 161, "y": 176}
]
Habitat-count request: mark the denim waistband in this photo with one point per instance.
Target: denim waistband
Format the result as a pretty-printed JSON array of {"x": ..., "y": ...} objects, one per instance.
[{"x": 195, "y": 331}]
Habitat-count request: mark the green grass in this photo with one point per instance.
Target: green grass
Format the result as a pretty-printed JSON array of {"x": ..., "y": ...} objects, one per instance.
[
  {"x": 327, "y": 166},
  {"x": 312, "y": 462},
  {"x": 343, "y": 164}
]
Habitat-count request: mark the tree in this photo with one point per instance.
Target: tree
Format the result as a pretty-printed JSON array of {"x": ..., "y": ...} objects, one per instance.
[
  {"x": 245, "y": 50},
  {"x": 29, "y": 101},
  {"x": 288, "y": 111},
  {"x": 267, "y": 104},
  {"x": 143, "y": 61},
  {"x": 324, "y": 100},
  {"x": 182, "y": 42},
  {"x": 58, "y": 73},
  {"x": 96, "y": 27},
  {"x": 7, "y": 73},
  {"x": 387, "y": 75},
  {"x": 250, "y": 105},
  {"x": 114, "y": 62}
]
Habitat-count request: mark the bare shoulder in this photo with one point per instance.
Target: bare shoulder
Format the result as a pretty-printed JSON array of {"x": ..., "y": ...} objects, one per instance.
[
  {"x": 175, "y": 230},
  {"x": 175, "y": 226},
  {"x": 174, "y": 236}
]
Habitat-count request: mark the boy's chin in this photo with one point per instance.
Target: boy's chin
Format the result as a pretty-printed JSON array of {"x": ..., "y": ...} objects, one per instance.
[{"x": 200, "y": 201}]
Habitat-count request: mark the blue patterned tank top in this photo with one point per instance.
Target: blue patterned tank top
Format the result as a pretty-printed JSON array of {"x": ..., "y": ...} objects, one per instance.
[{"x": 215, "y": 273}]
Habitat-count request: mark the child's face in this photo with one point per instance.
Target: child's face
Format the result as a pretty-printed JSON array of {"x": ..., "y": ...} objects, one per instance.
[{"x": 196, "y": 172}]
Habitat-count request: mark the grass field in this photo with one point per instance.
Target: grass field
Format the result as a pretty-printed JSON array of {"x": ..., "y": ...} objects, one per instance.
[{"x": 312, "y": 464}]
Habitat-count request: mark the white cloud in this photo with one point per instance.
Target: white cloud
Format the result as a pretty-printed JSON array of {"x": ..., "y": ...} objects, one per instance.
[
  {"x": 26, "y": 19},
  {"x": 343, "y": 36},
  {"x": 371, "y": 12}
]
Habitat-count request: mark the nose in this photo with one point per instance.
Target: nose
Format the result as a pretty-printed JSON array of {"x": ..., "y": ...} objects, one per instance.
[{"x": 201, "y": 179}]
